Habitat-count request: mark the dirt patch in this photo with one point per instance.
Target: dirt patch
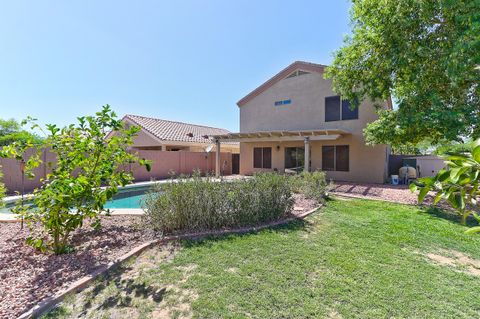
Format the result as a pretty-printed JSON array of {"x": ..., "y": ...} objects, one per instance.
[
  {"x": 456, "y": 260},
  {"x": 302, "y": 204},
  {"x": 232, "y": 270},
  {"x": 397, "y": 194},
  {"x": 333, "y": 314}
]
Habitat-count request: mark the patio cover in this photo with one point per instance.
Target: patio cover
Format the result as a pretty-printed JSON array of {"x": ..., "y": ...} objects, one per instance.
[{"x": 270, "y": 136}]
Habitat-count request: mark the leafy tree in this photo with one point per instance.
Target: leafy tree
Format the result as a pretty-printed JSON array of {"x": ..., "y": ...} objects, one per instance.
[
  {"x": 87, "y": 172},
  {"x": 459, "y": 184},
  {"x": 11, "y": 131},
  {"x": 454, "y": 147},
  {"x": 424, "y": 53}
]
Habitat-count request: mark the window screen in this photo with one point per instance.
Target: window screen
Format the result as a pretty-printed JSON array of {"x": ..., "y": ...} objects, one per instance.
[
  {"x": 262, "y": 157},
  {"x": 332, "y": 108},
  {"x": 328, "y": 158},
  {"x": 347, "y": 112},
  {"x": 341, "y": 158},
  {"x": 257, "y": 157},
  {"x": 267, "y": 157},
  {"x": 335, "y": 158}
]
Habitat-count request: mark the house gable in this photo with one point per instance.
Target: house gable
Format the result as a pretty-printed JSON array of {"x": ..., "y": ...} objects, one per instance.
[
  {"x": 295, "y": 69},
  {"x": 295, "y": 99}
]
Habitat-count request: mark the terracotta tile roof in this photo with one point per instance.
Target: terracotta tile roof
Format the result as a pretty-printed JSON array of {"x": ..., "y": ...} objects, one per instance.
[{"x": 176, "y": 131}]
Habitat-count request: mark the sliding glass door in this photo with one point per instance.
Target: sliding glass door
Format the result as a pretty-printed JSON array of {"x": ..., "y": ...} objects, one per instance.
[{"x": 294, "y": 159}]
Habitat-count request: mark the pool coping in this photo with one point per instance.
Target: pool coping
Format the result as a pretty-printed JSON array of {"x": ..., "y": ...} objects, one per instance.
[{"x": 49, "y": 303}]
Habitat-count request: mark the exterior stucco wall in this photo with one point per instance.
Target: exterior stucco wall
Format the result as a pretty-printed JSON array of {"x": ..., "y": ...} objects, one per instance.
[
  {"x": 367, "y": 164},
  {"x": 307, "y": 111},
  {"x": 144, "y": 140}
]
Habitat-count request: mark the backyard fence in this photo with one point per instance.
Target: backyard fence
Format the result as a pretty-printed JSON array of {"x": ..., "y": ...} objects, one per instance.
[{"x": 164, "y": 163}]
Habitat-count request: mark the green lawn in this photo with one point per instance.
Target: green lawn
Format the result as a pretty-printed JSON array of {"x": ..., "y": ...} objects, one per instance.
[{"x": 352, "y": 259}]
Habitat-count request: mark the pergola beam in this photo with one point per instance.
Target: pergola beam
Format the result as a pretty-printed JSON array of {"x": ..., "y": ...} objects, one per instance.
[{"x": 332, "y": 137}]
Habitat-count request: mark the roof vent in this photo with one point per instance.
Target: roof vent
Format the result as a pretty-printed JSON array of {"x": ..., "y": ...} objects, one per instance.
[
  {"x": 190, "y": 134},
  {"x": 297, "y": 73}
]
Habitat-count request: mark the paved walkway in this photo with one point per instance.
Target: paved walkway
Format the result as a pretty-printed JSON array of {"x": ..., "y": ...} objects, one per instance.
[{"x": 391, "y": 193}]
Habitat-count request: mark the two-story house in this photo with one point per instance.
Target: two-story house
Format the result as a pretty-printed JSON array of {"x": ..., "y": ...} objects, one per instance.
[{"x": 294, "y": 121}]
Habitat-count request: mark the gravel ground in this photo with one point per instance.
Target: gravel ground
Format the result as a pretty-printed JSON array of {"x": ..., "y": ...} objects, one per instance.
[
  {"x": 27, "y": 276},
  {"x": 302, "y": 204},
  {"x": 397, "y": 194}
]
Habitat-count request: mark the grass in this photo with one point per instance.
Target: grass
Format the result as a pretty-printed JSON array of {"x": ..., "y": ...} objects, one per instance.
[{"x": 353, "y": 259}]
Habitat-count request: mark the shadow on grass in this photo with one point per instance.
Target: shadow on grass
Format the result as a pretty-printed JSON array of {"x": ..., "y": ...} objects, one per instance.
[
  {"x": 295, "y": 225},
  {"x": 126, "y": 290},
  {"x": 448, "y": 215}
]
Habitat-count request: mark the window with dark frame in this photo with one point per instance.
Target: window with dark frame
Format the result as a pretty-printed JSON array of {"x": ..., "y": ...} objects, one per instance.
[
  {"x": 342, "y": 158},
  {"x": 347, "y": 112},
  {"x": 262, "y": 157},
  {"x": 328, "y": 158},
  {"x": 336, "y": 158},
  {"x": 336, "y": 109},
  {"x": 332, "y": 108}
]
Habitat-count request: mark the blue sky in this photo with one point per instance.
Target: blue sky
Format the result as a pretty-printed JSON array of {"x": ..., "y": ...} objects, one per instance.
[{"x": 187, "y": 60}]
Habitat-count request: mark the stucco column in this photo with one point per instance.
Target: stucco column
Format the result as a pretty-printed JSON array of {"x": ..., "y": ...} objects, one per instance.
[
  {"x": 307, "y": 154},
  {"x": 217, "y": 158}
]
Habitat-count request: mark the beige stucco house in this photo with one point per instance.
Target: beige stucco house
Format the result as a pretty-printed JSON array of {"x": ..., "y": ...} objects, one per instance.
[{"x": 294, "y": 121}]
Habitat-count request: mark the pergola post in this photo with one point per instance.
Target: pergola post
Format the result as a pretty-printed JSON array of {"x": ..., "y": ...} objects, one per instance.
[
  {"x": 217, "y": 158},
  {"x": 307, "y": 154}
]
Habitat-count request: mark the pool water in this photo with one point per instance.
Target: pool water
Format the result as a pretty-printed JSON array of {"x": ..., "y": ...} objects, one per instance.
[
  {"x": 131, "y": 197},
  {"x": 134, "y": 201}
]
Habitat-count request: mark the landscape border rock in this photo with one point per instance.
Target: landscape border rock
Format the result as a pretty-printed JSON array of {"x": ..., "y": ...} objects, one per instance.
[{"x": 79, "y": 285}]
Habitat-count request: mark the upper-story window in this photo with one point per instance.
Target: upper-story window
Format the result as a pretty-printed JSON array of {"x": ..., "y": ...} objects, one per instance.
[
  {"x": 337, "y": 109},
  {"x": 283, "y": 102}
]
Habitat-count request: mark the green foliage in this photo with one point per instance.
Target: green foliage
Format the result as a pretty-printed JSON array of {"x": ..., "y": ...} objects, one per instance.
[
  {"x": 312, "y": 184},
  {"x": 423, "y": 53},
  {"x": 11, "y": 131},
  {"x": 453, "y": 147},
  {"x": 87, "y": 173},
  {"x": 459, "y": 184},
  {"x": 196, "y": 204}
]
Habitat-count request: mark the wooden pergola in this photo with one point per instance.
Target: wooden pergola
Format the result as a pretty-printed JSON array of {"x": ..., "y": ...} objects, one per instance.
[{"x": 277, "y": 136}]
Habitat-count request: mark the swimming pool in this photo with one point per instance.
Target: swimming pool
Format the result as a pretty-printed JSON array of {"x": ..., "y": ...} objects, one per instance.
[{"x": 128, "y": 197}]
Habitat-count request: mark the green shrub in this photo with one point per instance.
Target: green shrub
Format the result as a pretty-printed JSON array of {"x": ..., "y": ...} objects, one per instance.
[
  {"x": 85, "y": 161},
  {"x": 313, "y": 185},
  {"x": 196, "y": 204}
]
